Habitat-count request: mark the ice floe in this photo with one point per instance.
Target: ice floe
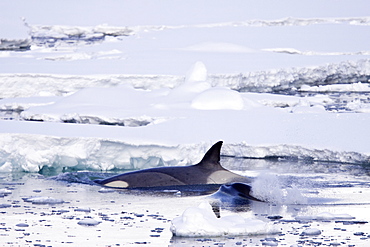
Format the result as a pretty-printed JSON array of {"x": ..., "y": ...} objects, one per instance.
[
  {"x": 88, "y": 222},
  {"x": 311, "y": 232},
  {"x": 325, "y": 216},
  {"x": 5, "y": 192},
  {"x": 43, "y": 200},
  {"x": 202, "y": 221}
]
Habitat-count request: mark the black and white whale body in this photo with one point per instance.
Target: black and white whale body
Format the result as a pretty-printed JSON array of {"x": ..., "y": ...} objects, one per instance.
[{"x": 207, "y": 172}]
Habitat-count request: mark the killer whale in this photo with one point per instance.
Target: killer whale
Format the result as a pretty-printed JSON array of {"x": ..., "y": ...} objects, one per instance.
[
  {"x": 234, "y": 196},
  {"x": 207, "y": 172},
  {"x": 235, "y": 193}
]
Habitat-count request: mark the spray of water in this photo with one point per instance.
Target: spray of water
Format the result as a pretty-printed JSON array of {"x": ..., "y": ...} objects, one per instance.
[{"x": 269, "y": 187}]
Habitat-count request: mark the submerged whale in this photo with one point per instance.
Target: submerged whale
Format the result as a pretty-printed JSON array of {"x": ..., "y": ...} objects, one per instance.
[
  {"x": 207, "y": 172},
  {"x": 235, "y": 193},
  {"x": 234, "y": 196}
]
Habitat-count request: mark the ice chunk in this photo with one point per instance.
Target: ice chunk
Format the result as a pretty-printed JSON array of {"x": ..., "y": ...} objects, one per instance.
[
  {"x": 201, "y": 221},
  {"x": 43, "y": 200},
  {"x": 88, "y": 222},
  {"x": 311, "y": 231},
  {"x": 330, "y": 216},
  {"x": 325, "y": 216},
  {"x": 270, "y": 243},
  {"x": 86, "y": 210},
  {"x": 5, "y": 192},
  {"x": 106, "y": 190}
]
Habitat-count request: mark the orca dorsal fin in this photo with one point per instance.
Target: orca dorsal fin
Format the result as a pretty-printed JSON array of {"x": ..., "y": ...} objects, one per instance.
[{"x": 212, "y": 156}]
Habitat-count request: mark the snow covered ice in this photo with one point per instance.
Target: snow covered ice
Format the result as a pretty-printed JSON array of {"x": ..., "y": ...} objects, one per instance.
[
  {"x": 103, "y": 87},
  {"x": 157, "y": 118},
  {"x": 201, "y": 221}
]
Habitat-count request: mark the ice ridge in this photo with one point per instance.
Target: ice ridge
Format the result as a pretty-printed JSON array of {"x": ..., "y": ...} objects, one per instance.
[
  {"x": 15, "y": 44},
  {"x": 282, "y": 81},
  {"x": 37, "y": 153},
  {"x": 56, "y": 35}
]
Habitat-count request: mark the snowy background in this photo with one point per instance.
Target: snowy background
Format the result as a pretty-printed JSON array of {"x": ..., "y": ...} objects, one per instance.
[{"x": 103, "y": 85}]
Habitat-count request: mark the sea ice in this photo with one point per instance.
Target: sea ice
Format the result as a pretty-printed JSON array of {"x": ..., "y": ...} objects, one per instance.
[
  {"x": 311, "y": 231},
  {"x": 325, "y": 216},
  {"x": 5, "y": 192},
  {"x": 354, "y": 87},
  {"x": 218, "y": 98},
  {"x": 88, "y": 222},
  {"x": 86, "y": 210},
  {"x": 197, "y": 73},
  {"x": 201, "y": 221},
  {"x": 233, "y": 45},
  {"x": 43, "y": 200},
  {"x": 106, "y": 190}
]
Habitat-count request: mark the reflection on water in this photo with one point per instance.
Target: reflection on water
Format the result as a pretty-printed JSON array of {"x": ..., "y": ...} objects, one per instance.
[{"x": 293, "y": 165}]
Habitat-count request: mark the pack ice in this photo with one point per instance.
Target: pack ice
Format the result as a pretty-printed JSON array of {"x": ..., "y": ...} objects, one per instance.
[{"x": 123, "y": 127}]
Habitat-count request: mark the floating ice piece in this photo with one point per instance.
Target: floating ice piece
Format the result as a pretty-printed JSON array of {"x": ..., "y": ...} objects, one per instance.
[
  {"x": 5, "y": 192},
  {"x": 43, "y": 200},
  {"x": 325, "y": 216},
  {"x": 270, "y": 243},
  {"x": 311, "y": 231},
  {"x": 106, "y": 190},
  {"x": 89, "y": 222},
  {"x": 87, "y": 210},
  {"x": 201, "y": 221}
]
